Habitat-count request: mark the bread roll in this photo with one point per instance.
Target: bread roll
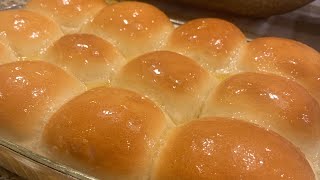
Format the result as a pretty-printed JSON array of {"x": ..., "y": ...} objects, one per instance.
[
  {"x": 273, "y": 102},
  {"x": 28, "y": 33},
  {"x": 214, "y": 43},
  {"x": 177, "y": 83},
  {"x": 70, "y": 14},
  {"x": 106, "y": 132},
  {"x": 134, "y": 27},
  {"x": 284, "y": 57},
  {"x": 91, "y": 59},
  {"x": 30, "y": 91},
  {"x": 221, "y": 148}
]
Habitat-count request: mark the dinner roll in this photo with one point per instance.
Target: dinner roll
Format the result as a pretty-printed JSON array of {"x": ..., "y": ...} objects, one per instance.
[
  {"x": 220, "y": 148},
  {"x": 134, "y": 27},
  {"x": 214, "y": 43},
  {"x": 273, "y": 102},
  {"x": 106, "y": 132},
  {"x": 90, "y": 58},
  {"x": 28, "y": 33},
  {"x": 70, "y": 14},
  {"x": 30, "y": 91},
  {"x": 177, "y": 83},
  {"x": 284, "y": 57}
]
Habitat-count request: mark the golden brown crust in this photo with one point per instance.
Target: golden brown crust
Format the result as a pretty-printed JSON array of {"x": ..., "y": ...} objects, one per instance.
[
  {"x": 107, "y": 132},
  {"x": 29, "y": 93},
  {"x": 271, "y": 101},
  {"x": 71, "y": 14},
  {"x": 172, "y": 80},
  {"x": 28, "y": 33},
  {"x": 284, "y": 57},
  {"x": 90, "y": 58},
  {"x": 214, "y": 43},
  {"x": 134, "y": 27},
  {"x": 221, "y": 148}
]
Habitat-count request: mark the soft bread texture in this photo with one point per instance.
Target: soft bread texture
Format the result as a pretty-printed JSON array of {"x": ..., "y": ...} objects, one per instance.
[
  {"x": 172, "y": 80},
  {"x": 134, "y": 27},
  {"x": 284, "y": 57},
  {"x": 221, "y": 148},
  {"x": 30, "y": 91},
  {"x": 214, "y": 43},
  {"x": 28, "y": 33},
  {"x": 6, "y": 53},
  {"x": 90, "y": 58},
  {"x": 108, "y": 132},
  {"x": 273, "y": 102},
  {"x": 69, "y": 14}
]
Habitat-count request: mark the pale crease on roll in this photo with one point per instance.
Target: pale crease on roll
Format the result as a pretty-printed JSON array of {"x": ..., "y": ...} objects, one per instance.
[
  {"x": 28, "y": 33},
  {"x": 177, "y": 83},
  {"x": 71, "y": 15},
  {"x": 6, "y": 53},
  {"x": 107, "y": 132},
  {"x": 214, "y": 43},
  {"x": 134, "y": 27},
  {"x": 273, "y": 102},
  {"x": 284, "y": 57},
  {"x": 221, "y": 148},
  {"x": 30, "y": 91},
  {"x": 90, "y": 58}
]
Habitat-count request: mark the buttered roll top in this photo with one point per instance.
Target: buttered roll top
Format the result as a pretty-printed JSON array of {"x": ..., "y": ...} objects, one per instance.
[
  {"x": 71, "y": 15},
  {"x": 30, "y": 91},
  {"x": 221, "y": 148},
  {"x": 90, "y": 58},
  {"x": 109, "y": 132},
  {"x": 213, "y": 43},
  {"x": 177, "y": 83},
  {"x": 28, "y": 34},
  {"x": 134, "y": 27}
]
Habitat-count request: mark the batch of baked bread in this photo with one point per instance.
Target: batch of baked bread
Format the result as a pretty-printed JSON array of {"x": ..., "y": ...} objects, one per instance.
[{"x": 116, "y": 91}]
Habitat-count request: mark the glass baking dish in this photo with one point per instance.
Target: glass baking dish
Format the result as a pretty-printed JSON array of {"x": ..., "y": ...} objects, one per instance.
[{"x": 30, "y": 165}]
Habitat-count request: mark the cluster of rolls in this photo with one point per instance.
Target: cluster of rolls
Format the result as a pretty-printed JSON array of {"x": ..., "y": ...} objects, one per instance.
[{"x": 116, "y": 91}]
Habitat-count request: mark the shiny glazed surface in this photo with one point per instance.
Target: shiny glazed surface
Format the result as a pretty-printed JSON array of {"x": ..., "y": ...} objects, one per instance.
[
  {"x": 271, "y": 101},
  {"x": 106, "y": 131},
  {"x": 30, "y": 91},
  {"x": 88, "y": 57},
  {"x": 284, "y": 57},
  {"x": 134, "y": 27},
  {"x": 28, "y": 33},
  {"x": 171, "y": 79},
  {"x": 68, "y": 13},
  {"x": 212, "y": 42},
  {"x": 222, "y": 148}
]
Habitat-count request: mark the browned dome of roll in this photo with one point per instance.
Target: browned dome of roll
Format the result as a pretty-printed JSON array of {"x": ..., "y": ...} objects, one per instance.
[
  {"x": 70, "y": 14},
  {"x": 29, "y": 93},
  {"x": 214, "y": 43},
  {"x": 175, "y": 82},
  {"x": 273, "y": 102},
  {"x": 28, "y": 33},
  {"x": 91, "y": 59},
  {"x": 107, "y": 132},
  {"x": 284, "y": 57},
  {"x": 220, "y": 148},
  {"x": 134, "y": 27}
]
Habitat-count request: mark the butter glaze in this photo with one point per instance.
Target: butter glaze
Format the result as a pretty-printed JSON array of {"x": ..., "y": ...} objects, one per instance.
[
  {"x": 90, "y": 58},
  {"x": 222, "y": 148},
  {"x": 28, "y": 34},
  {"x": 109, "y": 132},
  {"x": 30, "y": 91}
]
